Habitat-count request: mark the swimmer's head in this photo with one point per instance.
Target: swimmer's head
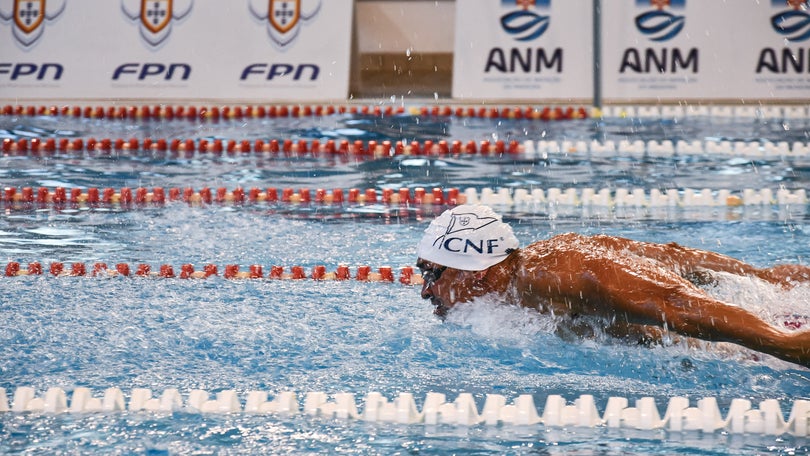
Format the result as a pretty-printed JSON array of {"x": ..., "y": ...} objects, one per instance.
[
  {"x": 456, "y": 252},
  {"x": 467, "y": 237}
]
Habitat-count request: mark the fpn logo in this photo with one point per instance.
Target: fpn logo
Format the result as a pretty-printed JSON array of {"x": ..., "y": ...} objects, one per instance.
[
  {"x": 155, "y": 17},
  {"x": 793, "y": 23},
  {"x": 283, "y": 18},
  {"x": 658, "y": 24},
  {"x": 28, "y": 18},
  {"x": 524, "y": 24}
]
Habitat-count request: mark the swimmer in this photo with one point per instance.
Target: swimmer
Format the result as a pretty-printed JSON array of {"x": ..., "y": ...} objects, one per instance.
[{"x": 637, "y": 289}]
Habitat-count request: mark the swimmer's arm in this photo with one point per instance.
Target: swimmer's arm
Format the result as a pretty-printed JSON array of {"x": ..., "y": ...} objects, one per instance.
[
  {"x": 682, "y": 309},
  {"x": 689, "y": 260}
]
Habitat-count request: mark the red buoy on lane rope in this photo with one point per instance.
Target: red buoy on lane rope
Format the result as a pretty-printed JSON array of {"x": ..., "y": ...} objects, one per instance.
[
  {"x": 78, "y": 269},
  {"x": 166, "y": 271},
  {"x": 354, "y": 195},
  {"x": 272, "y": 195},
  {"x": 75, "y": 195},
  {"x": 404, "y": 196},
  {"x": 231, "y": 271},
  {"x": 405, "y": 275},
  {"x": 238, "y": 195},
  {"x": 56, "y": 268},
  {"x": 305, "y": 195},
  {"x": 386, "y": 274},
  {"x": 318, "y": 272},
  {"x": 363, "y": 273},
  {"x": 12, "y": 269},
  {"x": 286, "y": 195},
  {"x": 28, "y": 195},
  {"x": 418, "y": 195},
  {"x": 205, "y": 195},
  {"x": 342, "y": 272},
  {"x": 99, "y": 269},
  {"x": 452, "y": 196},
  {"x": 158, "y": 195},
  {"x": 59, "y": 195},
  {"x": 107, "y": 195},
  {"x": 210, "y": 270},
  {"x": 92, "y": 195},
  {"x": 186, "y": 271},
  {"x": 371, "y": 195},
  {"x": 140, "y": 195},
  {"x": 298, "y": 273},
  {"x": 438, "y": 196},
  {"x": 126, "y": 195},
  {"x": 387, "y": 193},
  {"x": 8, "y": 194},
  {"x": 123, "y": 269}
]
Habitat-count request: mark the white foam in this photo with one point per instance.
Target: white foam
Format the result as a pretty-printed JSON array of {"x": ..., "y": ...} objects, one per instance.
[
  {"x": 490, "y": 317},
  {"x": 770, "y": 302}
]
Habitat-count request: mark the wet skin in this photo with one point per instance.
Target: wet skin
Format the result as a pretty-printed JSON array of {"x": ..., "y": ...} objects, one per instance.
[
  {"x": 636, "y": 287},
  {"x": 446, "y": 287}
]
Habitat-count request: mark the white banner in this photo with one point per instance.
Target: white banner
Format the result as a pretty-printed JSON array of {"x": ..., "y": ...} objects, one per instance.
[
  {"x": 708, "y": 49},
  {"x": 523, "y": 50},
  {"x": 257, "y": 50}
]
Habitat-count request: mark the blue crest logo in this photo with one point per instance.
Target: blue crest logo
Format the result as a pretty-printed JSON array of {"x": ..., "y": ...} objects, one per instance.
[
  {"x": 523, "y": 24},
  {"x": 660, "y": 25},
  {"x": 794, "y": 23}
]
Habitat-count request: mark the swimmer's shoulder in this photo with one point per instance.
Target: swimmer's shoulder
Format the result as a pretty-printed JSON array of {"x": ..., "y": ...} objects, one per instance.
[
  {"x": 559, "y": 243},
  {"x": 567, "y": 241}
]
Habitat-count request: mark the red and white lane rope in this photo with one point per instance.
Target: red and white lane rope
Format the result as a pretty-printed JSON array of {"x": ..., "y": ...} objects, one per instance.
[
  {"x": 361, "y": 150},
  {"x": 362, "y": 273},
  {"x": 43, "y": 197},
  {"x": 213, "y": 113},
  {"x": 525, "y": 200},
  {"x": 546, "y": 113},
  {"x": 371, "y": 150},
  {"x": 705, "y": 416}
]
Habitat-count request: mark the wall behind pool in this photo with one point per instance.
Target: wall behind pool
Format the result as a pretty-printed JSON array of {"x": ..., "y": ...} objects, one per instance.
[{"x": 659, "y": 51}]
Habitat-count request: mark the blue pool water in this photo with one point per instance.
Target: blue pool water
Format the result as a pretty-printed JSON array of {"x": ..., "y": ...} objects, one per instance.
[{"x": 359, "y": 337}]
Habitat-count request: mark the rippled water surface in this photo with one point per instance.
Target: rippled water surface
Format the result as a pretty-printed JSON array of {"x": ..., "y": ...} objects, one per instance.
[{"x": 357, "y": 337}]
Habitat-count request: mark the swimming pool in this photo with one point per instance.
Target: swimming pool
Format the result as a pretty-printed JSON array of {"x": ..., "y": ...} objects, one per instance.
[{"x": 359, "y": 337}]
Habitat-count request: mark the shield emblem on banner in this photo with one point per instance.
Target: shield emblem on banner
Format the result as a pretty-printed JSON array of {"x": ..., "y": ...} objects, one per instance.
[
  {"x": 156, "y": 14},
  {"x": 29, "y": 14},
  {"x": 284, "y": 14}
]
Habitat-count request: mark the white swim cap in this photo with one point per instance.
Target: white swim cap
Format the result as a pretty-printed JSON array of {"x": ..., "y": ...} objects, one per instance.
[{"x": 467, "y": 237}]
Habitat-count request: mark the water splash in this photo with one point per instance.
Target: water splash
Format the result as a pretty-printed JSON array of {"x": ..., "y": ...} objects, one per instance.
[{"x": 771, "y": 303}]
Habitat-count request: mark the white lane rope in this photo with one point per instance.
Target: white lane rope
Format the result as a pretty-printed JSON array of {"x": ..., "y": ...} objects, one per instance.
[{"x": 741, "y": 417}]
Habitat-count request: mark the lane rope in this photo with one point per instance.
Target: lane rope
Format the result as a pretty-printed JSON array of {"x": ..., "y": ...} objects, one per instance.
[
  {"x": 531, "y": 199},
  {"x": 362, "y": 273},
  {"x": 374, "y": 150},
  {"x": 358, "y": 150},
  {"x": 190, "y": 112},
  {"x": 680, "y": 415},
  {"x": 235, "y": 112}
]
